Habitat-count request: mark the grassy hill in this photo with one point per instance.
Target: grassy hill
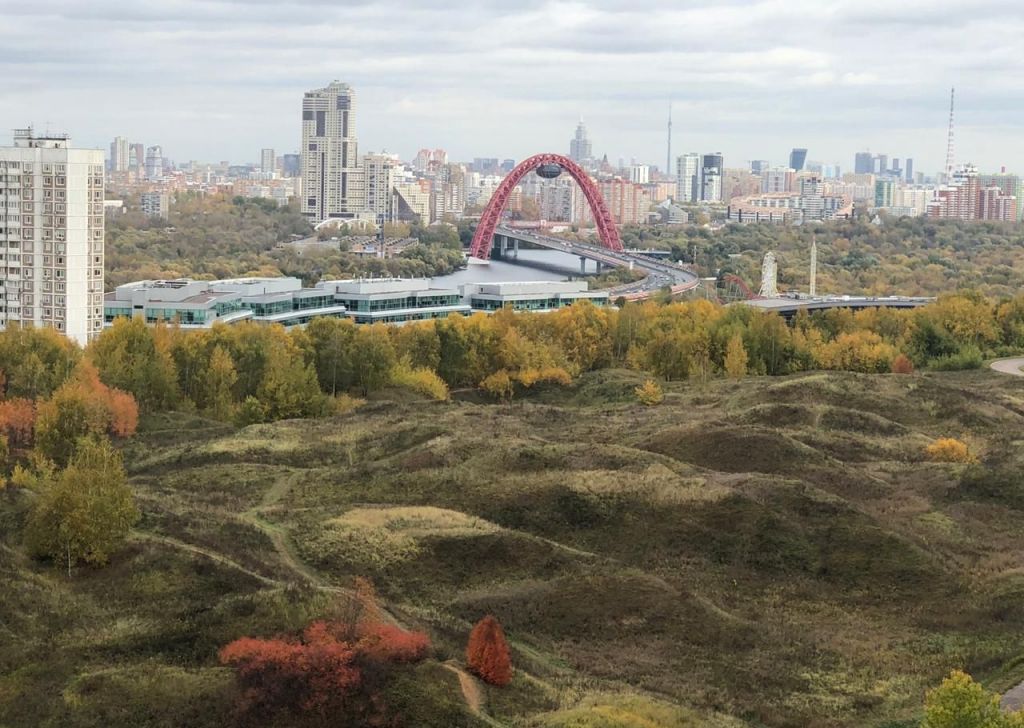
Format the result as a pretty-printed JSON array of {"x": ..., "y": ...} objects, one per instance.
[{"x": 768, "y": 552}]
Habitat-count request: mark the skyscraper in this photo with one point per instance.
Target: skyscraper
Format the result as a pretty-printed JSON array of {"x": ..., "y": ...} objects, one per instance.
[
  {"x": 712, "y": 166},
  {"x": 53, "y": 277},
  {"x": 797, "y": 158},
  {"x": 688, "y": 177},
  {"x": 910, "y": 170},
  {"x": 119, "y": 154},
  {"x": 758, "y": 166},
  {"x": 332, "y": 176},
  {"x": 268, "y": 162},
  {"x": 863, "y": 163},
  {"x": 154, "y": 163},
  {"x": 580, "y": 150}
]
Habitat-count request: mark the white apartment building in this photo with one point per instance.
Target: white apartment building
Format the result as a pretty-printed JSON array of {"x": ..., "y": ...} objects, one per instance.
[
  {"x": 51, "y": 235},
  {"x": 332, "y": 174},
  {"x": 379, "y": 177},
  {"x": 688, "y": 177},
  {"x": 119, "y": 154}
]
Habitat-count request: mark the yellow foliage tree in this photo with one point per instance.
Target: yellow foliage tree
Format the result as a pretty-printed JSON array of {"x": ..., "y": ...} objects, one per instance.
[
  {"x": 649, "y": 393},
  {"x": 736, "y": 358}
]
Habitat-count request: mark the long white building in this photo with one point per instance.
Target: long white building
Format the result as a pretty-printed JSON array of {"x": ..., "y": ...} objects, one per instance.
[{"x": 51, "y": 235}]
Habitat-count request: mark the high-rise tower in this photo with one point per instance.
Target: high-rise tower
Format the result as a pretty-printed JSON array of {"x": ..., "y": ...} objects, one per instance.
[
  {"x": 52, "y": 273},
  {"x": 950, "y": 155},
  {"x": 580, "y": 150},
  {"x": 332, "y": 176}
]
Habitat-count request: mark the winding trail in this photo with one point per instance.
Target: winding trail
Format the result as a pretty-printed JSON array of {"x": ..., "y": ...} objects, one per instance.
[
  {"x": 1009, "y": 366},
  {"x": 472, "y": 692}
]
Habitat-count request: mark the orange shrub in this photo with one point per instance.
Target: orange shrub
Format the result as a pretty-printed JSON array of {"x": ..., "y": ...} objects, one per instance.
[
  {"x": 902, "y": 365},
  {"x": 949, "y": 450}
]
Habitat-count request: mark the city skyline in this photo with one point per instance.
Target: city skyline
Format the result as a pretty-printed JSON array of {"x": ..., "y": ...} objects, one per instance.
[{"x": 222, "y": 79}]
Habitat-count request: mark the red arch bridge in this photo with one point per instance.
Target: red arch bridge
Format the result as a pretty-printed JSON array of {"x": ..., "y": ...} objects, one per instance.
[{"x": 660, "y": 274}]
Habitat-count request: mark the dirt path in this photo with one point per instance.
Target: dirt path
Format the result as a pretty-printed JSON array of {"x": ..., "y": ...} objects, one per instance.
[
  {"x": 212, "y": 555},
  {"x": 1009, "y": 366},
  {"x": 1013, "y": 699},
  {"x": 471, "y": 689}
]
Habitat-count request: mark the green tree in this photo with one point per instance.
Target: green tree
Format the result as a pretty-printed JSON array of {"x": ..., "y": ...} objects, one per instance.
[
  {"x": 373, "y": 357},
  {"x": 332, "y": 340},
  {"x": 128, "y": 357},
  {"x": 289, "y": 389},
  {"x": 960, "y": 702},
  {"x": 85, "y": 512}
]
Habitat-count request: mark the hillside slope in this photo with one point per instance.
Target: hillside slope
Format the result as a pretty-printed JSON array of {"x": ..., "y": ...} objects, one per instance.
[{"x": 769, "y": 552}]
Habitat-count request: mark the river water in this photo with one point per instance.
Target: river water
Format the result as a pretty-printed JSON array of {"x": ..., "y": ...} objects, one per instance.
[{"x": 501, "y": 271}]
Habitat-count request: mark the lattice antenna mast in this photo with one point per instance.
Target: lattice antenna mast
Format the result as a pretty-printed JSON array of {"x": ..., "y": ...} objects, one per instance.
[
  {"x": 668, "y": 152},
  {"x": 950, "y": 156},
  {"x": 814, "y": 267},
  {"x": 769, "y": 277}
]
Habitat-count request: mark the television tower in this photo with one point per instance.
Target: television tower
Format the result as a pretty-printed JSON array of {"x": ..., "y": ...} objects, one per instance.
[
  {"x": 668, "y": 153},
  {"x": 949, "y": 140}
]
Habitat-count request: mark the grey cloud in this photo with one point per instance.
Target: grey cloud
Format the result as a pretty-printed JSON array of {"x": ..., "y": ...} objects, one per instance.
[{"x": 504, "y": 79}]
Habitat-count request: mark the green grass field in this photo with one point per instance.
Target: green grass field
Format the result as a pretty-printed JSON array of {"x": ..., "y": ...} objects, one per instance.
[{"x": 768, "y": 552}]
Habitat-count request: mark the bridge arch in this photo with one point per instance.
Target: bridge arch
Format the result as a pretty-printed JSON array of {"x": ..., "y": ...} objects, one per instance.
[{"x": 483, "y": 238}]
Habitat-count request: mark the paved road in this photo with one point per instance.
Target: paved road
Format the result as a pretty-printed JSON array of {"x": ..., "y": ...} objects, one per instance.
[{"x": 1009, "y": 366}]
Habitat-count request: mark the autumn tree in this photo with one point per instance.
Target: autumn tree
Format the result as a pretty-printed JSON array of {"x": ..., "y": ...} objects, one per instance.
[
  {"x": 133, "y": 357},
  {"x": 649, "y": 393},
  {"x": 487, "y": 653},
  {"x": 35, "y": 362},
  {"x": 735, "y": 358},
  {"x": 17, "y": 421},
  {"x": 217, "y": 385},
  {"x": 85, "y": 512},
  {"x": 81, "y": 407},
  {"x": 960, "y": 702}
]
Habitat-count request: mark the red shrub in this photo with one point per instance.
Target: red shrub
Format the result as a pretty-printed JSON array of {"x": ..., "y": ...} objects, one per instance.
[{"x": 321, "y": 674}]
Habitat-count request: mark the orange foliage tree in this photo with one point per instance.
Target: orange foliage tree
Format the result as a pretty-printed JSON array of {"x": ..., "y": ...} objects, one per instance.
[
  {"x": 487, "y": 652},
  {"x": 18, "y": 421},
  {"x": 82, "y": 406}
]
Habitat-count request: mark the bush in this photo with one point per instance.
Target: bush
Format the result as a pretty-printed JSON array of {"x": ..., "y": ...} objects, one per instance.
[
  {"x": 420, "y": 380},
  {"x": 969, "y": 357},
  {"x": 649, "y": 393},
  {"x": 949, "y": 450},
  {"x": 902, "y": 365}
]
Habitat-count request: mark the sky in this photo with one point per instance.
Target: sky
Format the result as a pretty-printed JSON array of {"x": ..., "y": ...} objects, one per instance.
[{"x": 215, "y": 80}]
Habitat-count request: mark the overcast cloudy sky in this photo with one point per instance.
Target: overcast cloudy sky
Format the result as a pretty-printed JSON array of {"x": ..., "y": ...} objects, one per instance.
[{"x": 219, "y": 80}]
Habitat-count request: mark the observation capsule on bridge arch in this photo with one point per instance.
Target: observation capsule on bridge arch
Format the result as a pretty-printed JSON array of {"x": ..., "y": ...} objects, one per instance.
[{"x": 550, "y": 170}]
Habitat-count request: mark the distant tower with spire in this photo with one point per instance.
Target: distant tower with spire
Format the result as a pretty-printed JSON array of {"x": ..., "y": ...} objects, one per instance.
[
  {"x": 580, "y": 150},
  {"x": 950, "y": 156},
  {"x": 668, "y": 150}
]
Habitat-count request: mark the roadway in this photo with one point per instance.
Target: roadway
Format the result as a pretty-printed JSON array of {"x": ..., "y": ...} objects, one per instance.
[
  {"x": 788, "y": 306},
  {"x": 660, "y": 274},
  {"x": 1011, "y": 366}
]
